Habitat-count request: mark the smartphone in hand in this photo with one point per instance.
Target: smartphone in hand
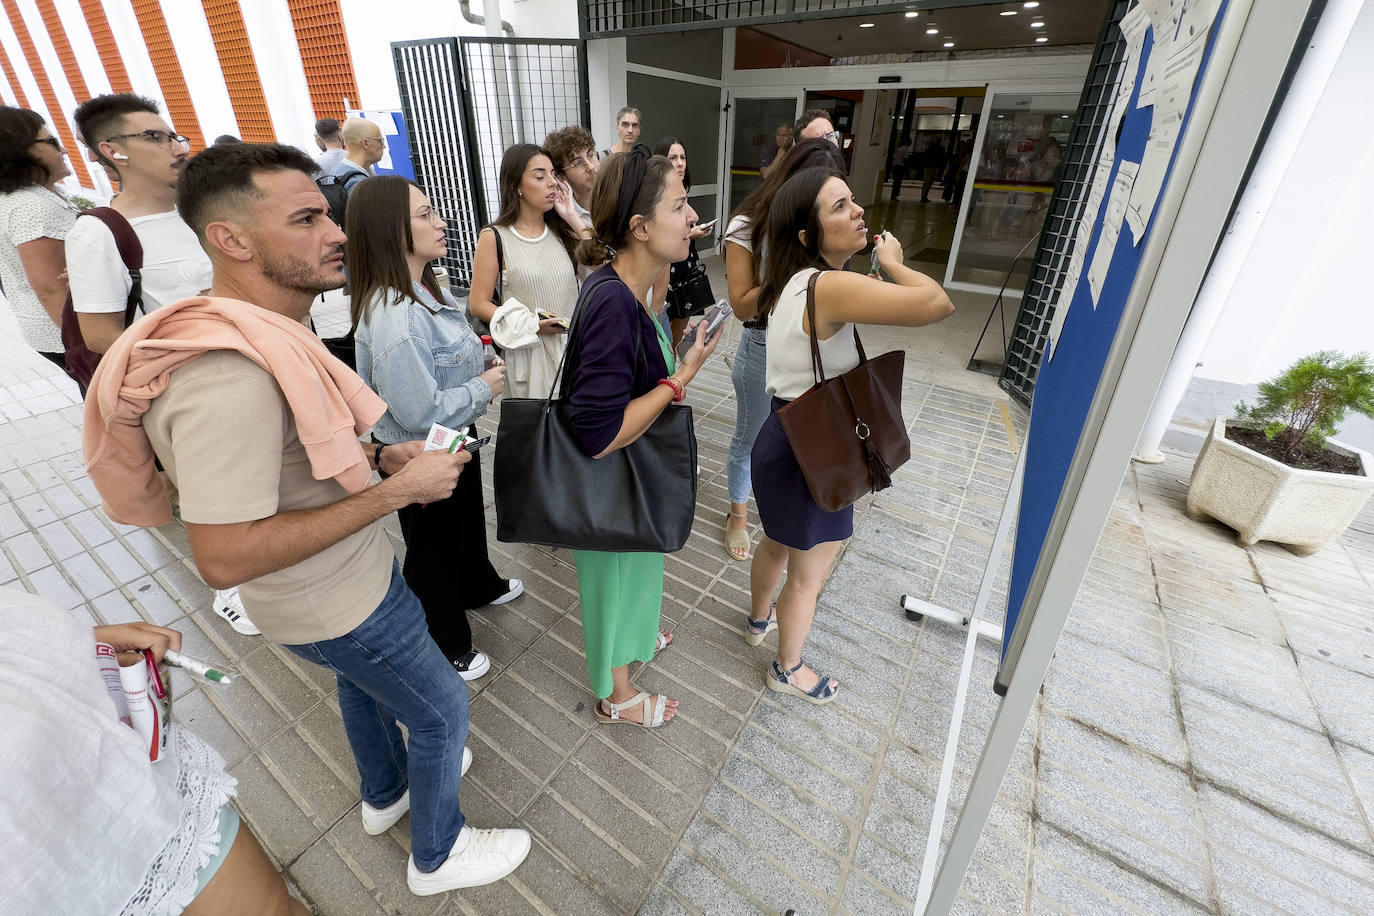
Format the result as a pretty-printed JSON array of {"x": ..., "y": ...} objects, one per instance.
[
  {"x": 707, "y": 226},
  {"x": 715, "y": 320}
]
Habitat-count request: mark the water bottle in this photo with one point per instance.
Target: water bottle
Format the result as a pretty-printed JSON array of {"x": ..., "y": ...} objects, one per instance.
[{"x": 489, "y": 357}]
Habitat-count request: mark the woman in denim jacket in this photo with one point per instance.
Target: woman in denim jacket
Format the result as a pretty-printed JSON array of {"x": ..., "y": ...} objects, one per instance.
[{"x": 416, "y": 349}]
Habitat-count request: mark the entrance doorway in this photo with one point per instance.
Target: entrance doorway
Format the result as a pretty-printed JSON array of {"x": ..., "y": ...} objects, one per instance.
[{"x": 755, "y": 130}]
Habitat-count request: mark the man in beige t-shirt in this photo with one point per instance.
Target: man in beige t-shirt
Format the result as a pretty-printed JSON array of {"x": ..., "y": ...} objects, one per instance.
[{"x": 312, "y": 564}]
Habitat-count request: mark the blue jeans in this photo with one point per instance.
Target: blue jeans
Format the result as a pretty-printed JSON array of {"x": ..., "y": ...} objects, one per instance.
[
  {"x": 389, "y": 671},
  {"x": 752, "y": 404}
]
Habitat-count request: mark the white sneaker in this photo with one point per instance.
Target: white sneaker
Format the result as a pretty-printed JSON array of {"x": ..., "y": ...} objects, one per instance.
[
  {"x": 478, "y": 857},
  {"x": 229, "y": 605},
  {"x": 517, "y": 588},
  {"x": 380, "y": 820}
]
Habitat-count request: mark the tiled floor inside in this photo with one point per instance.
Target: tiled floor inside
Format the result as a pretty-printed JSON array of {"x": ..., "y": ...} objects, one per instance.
[{"x": 1204, "y": 741}]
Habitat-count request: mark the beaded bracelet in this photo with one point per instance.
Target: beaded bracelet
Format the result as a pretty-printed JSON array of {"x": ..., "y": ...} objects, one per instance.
[{"x": 674, "y": 384}]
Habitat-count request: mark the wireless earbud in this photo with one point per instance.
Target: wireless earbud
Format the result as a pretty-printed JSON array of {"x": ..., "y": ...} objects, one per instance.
[{"x": 119, "y": 156}]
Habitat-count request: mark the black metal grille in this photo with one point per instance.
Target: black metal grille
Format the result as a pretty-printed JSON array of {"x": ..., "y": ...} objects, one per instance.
[
  {"x": 1030, "y": 333},
  {"x": 430, "y": 79},
  {"x": 605, "y": 18},
  {"x": 517, "y": 91}
]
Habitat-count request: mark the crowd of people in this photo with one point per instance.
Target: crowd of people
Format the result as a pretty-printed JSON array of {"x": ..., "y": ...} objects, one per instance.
[{"x": 222, "y": 406}]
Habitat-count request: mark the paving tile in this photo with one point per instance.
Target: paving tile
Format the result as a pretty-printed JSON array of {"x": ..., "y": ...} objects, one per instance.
[
  {"x": 759, "y": 877},
  {"x": 1081, "y": 879},
  {"x": 26, "y": 552},
  {"x": 704, "y": 889}
]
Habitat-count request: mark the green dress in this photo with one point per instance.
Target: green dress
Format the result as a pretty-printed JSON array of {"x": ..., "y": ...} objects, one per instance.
[{"x": 622, "y": 597}]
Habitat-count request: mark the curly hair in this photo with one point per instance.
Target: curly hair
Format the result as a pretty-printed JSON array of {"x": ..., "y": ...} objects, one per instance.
[
  {"x": 565, "y": 144},
  {"x": 19, "y": 129}
]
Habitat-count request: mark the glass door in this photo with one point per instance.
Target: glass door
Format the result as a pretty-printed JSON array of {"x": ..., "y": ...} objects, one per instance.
[
  {"x": 758, "y": 128},
  {"x": 1012, "y": 176}
]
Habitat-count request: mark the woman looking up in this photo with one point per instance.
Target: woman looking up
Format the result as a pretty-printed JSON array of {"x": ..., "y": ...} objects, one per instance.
[
  {"x": 34, "y": 220},
  {"x": 622, "y": 374},
  {"x": 742, "y": 246},
  {"x": 689, "y": 289},
  {"x": 416, "y": 349},
  {"x": 813, "y": 227},
  {"x": 535, "y": 232}
]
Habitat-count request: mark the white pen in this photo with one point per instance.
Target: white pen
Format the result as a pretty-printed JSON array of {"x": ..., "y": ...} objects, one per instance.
[{"x": 196, "y": 667}]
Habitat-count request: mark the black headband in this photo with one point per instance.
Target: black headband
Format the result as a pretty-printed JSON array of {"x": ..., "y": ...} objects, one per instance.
[{"x": 636, "y": 163}]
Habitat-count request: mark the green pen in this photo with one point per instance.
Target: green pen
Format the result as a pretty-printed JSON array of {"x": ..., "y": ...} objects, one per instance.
[{"x": 195, "y": 667}]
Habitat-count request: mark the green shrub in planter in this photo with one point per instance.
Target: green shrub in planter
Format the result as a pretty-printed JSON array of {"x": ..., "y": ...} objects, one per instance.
[{"x": 1302, "y": 406}]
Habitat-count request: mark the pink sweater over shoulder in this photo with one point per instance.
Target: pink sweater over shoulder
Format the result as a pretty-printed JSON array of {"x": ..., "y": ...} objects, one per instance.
[{"x": 331, "y": 405}]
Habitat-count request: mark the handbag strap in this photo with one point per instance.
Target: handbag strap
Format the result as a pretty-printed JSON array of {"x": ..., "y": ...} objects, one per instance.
[
  {"x": 574, "y": 337},
  {"x": 817, "y": 369},
  {"x": 500, "y": 265}
]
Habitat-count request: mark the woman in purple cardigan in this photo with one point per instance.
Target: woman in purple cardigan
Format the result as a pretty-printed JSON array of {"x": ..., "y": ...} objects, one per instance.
[{"x": 622, "y": 375}]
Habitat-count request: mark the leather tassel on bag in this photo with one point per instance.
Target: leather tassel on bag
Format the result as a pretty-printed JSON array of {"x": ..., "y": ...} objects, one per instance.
[{"x": 877, "y": 467}]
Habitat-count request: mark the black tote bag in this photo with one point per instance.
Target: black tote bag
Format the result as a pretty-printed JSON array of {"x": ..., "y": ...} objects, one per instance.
[{"x": 640, "y": 498}]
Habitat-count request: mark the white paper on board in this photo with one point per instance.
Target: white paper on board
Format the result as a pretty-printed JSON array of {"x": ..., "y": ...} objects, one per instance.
[
  {"x": 1174, "y": 93},
  {"x": 1111, "y": 228},
  {"x": 1163, "y": 16}
]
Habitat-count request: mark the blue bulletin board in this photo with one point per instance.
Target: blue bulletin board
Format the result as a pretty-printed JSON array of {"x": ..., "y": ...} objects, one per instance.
[{"x": 1070, "y": 374}]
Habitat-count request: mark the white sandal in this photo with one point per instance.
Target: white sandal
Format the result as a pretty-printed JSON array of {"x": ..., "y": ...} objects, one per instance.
[{"x": 651, "y": 719}]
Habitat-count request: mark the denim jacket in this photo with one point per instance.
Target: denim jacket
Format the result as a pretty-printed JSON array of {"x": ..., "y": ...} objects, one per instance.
[{"x": 424, "y": 361}]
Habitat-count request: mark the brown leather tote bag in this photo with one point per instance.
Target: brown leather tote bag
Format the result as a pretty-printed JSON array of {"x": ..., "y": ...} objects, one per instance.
[{"x": 847, "y": 432}]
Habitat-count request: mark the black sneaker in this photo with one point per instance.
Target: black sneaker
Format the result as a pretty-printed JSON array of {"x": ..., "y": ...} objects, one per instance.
[{"x": 471, "y": 666}]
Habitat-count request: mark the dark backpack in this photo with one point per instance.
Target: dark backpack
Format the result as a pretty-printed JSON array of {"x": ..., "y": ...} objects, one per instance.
[
  {"x": 336, "y": 197},
  {"x": 80, "y": 359}
]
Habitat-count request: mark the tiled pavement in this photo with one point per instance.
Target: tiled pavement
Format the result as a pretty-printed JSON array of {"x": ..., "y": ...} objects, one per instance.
[{"x": 1204, "y": 741}]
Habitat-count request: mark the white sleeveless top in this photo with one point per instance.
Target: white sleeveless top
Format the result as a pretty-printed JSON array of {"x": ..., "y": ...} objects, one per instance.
[{"x": 789, "y": 372}]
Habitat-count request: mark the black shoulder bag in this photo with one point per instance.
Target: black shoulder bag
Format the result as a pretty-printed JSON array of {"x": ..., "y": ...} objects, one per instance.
[{"x": 640, "y": 498}]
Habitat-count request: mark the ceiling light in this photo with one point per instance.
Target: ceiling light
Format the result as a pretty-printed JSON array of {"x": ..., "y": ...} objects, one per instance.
[
  {"x": 865, "y": 25},
  {"x": 1041, "y": 40},
  {"x": 1037, "y": 24},
  {"x": 912, "y": 15},
  {"x": 1031, "y": 5},
  {"x": 949, "y": 44},
  {"x": 1008, "y": 12},
  {"x": 932, "y": 31}
]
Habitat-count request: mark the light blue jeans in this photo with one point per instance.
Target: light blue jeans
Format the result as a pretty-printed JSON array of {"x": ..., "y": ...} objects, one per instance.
[
  {"x": 389, "y": 672},
  {"x": 752, "y": 404}
]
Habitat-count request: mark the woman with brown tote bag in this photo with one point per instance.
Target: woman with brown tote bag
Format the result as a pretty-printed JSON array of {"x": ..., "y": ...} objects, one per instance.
[{"x": 814, "y": 225}]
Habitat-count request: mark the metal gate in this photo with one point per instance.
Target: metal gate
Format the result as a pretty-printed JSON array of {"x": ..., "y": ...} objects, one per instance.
[
  {"x": 465, "y": 101},
  {"x": 518, "y": 90}
]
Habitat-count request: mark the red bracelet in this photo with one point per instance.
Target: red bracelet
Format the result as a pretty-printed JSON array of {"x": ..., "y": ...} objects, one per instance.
[{"x": 675, "y": 385}]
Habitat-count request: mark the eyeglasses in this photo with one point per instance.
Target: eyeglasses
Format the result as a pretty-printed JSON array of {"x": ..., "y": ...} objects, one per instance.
[
  {"x": 379, "y": 140},
  {"x": 160, "y": 137},
  {"x": 833, "y": 137},
  {"x": 429, "y": 215},
  {"x": 585, "y": 163},
  {"x": 51, "y": 141}
]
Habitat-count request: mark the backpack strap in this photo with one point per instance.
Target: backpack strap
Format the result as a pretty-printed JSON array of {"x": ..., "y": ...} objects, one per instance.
[{"x": 130, "y": 252}]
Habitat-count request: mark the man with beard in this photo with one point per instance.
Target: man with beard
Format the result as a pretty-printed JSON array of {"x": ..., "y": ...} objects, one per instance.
[
  {"x": 251, "y": 448},
  {"x": 129, "y": 137}
]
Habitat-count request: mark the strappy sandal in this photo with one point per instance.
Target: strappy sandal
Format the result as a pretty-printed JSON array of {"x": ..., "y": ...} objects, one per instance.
[
  {"x": 755, "y": 631},
  {"x": 662, "y": 641},
  {"x": 736, "y": 538},
  {"x": 652, "y": 718},
  {"x": 779, "y": 679}
]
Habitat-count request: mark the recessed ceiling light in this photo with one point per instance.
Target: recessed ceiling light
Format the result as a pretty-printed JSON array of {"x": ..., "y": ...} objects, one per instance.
[
  {"x": 949, "y": 44},
  {"x": 912, "y": 15},
  {"x": 1009, "y": 12},
  {"x": 1031, "y": 5},
  {"x": 865, "y": 25},
  {"x": 1041, "y": 40},
  {"x": 1037, "y": 24},
  {"x": 932, "y": 31}
]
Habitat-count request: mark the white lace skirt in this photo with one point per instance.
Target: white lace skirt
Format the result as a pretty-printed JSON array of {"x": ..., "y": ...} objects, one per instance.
[{"x": 203, "y": 787}]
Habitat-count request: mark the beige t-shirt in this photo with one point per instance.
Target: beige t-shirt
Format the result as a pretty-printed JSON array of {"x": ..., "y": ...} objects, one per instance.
[{"x": 227, "y": 438}]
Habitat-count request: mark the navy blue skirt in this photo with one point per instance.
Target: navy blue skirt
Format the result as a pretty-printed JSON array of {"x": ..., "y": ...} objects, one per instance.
[{"x": 789, "y": 515}]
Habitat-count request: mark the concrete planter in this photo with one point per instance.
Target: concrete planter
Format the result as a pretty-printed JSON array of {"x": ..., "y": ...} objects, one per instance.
[{"x": 1266, "y": 500}]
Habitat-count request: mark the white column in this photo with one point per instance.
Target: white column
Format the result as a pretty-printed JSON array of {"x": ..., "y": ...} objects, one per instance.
[{"x": 1314, "y": 73}]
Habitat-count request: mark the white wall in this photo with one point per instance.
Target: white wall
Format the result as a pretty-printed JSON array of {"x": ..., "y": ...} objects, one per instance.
[
  {"x": 373, "y": 24},
  {"x": 1305, "y": 281}
]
